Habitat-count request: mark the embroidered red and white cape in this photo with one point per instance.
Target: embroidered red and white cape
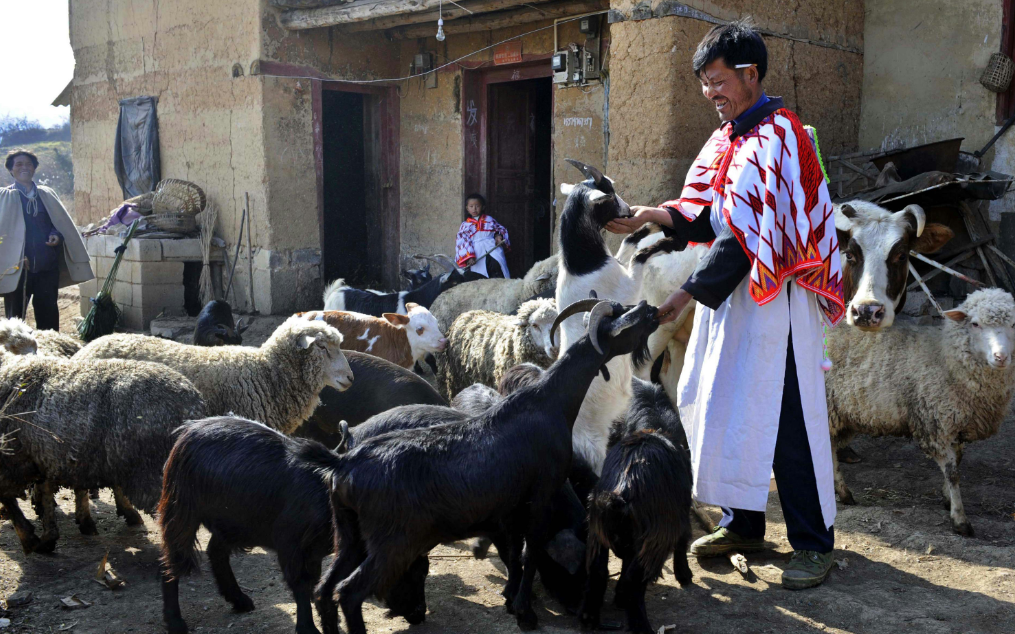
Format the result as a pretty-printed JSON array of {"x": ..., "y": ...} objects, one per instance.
[
  {"x": 465, "y": 247},
  {"x": 772, "y": 193}
]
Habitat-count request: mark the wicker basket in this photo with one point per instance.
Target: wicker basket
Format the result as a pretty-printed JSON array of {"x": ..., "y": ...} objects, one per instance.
[
  {"x": 998, "y": 73},
  {"x": 173, "y": 222},
  {"x": 178, "y": 196},
  {"x": 143, "y": 202}
]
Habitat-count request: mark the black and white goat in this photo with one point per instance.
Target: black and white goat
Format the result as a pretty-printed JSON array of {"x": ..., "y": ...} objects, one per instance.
[
  {"x": 496, "y": 473},
  {"x": 339, "y": 296},
  {"x": 587, "y": 267},
  {"x": 640, "y": 508},
  {"x": 417, "y": 277}
]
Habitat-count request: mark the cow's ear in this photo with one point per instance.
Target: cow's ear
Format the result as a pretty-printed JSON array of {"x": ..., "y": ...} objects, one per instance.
[
  {"x": 396, "y": 319},
  {"x": 935, "y": 236}
]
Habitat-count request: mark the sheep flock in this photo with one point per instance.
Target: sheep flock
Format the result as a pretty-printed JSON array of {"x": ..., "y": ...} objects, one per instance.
[{"x": 548, "y": 429}]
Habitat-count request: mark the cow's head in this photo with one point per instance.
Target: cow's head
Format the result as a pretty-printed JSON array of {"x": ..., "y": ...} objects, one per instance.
[
  {"x": 875, "y": 245},
  {"x": 425, "y": 336}
]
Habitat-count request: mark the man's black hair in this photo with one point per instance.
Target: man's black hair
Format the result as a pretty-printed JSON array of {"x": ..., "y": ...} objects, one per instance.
[
  {"x": 736, "y": 43},
  {"x": 13, "y": 154},
  {"x": 479, "y": 197}
]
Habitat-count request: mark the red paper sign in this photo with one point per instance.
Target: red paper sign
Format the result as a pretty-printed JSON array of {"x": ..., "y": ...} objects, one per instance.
[{"x": 508, "y": 53}]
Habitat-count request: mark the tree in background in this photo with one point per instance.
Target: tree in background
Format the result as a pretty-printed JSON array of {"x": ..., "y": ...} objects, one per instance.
[{"x": 22, "y": 131}]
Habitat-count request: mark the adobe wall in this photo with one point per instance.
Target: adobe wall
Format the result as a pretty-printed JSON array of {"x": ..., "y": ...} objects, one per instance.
[
  {"x": 210, "y": 123},
  {"x": 658, "y": 117}
]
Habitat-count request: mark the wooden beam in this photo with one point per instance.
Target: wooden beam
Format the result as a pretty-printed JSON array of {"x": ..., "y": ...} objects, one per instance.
[
  {"x": 360, "y": 12},
  {"x": 451, "y": 12},
  {"x": 306, "y": 4},
  {"x": 501, "y": 19}
]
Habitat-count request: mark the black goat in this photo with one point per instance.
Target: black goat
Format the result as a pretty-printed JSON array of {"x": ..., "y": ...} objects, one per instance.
[
  {"x": 245, "y": 483},
  {"x": 417, "y": 277},
  {"x": 497, "y": 474},
  {"x": 640, "y": 508},
  {"x": 215, "y": 326},
  {"x": 380, "y": 386},
  {"x": 338, "y": 296},
  {"x": 519, "y": 376}
]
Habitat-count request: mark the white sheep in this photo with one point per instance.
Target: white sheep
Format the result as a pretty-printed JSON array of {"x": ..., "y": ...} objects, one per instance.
[
  {"x": 496, "y": 295},
  {"x": 20, "y": 338},
  {"x": 483, "y": 345},
  {"x": 277, "y": 384},
  {"x": 943, "y": 385}
]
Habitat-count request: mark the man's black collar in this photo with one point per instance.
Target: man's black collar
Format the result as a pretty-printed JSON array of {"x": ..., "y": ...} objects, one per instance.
[{"x": 750, "y": 121}]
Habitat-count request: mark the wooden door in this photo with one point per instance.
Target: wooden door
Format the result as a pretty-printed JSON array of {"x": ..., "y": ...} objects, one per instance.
[{"x": 514, "y": 124}]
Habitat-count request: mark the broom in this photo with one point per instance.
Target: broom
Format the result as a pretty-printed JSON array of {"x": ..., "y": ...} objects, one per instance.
[{"x": 102, "y": 318}]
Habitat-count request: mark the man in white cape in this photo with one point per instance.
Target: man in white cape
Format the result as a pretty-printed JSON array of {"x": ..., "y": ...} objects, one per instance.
[{"x": 752, "y": 392}]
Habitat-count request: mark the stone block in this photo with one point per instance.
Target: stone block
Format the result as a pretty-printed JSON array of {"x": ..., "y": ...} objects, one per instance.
[
  {"x": 110, "y": 245},
  {"x": 88, "y": 290},
  {"x": 181, "y": 250},
  {"x": 102, "y": 266},
  {"x": 160, "y": 297},
  {"x": 157, "y": 273},
  {"x": 123, "y": 294},
  {"x": 141, "y": 250},
  {"x": 170, "y": 328}
]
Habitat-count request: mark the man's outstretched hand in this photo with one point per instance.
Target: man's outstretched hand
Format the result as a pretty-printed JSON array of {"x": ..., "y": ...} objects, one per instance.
[
  {"x": 673, "y": 306},
  {"x": 640, "y": 217}
]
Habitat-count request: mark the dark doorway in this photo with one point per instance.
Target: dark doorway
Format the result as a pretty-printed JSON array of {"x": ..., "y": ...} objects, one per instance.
[
  {"x": 351, "y": 245},
  {"x": 519, "y": 118}
]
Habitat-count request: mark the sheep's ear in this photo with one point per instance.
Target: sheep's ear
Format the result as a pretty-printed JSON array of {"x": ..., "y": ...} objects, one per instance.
[
  {"x": 956, "y": 314},
  {"x": 566, "y": 188},
  {"x": 596, "y": 196},
  {"x": 396, "y": 319},
  {"x": 307, "y": 340}
]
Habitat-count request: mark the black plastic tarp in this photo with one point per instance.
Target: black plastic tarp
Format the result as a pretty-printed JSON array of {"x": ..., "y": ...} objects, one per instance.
[{"x": 136, "y": 153}]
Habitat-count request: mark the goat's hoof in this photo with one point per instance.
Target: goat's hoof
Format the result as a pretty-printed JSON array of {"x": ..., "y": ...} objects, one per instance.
[
  {"x": 243, "y": 603},
  {"x": 30, "y": 544},
  {"x": 416, "y": 617},
  {"x": 684, "y": 577},
  {"x": 480, "y": 547},
  {"x": 307, "y": 628},
  {"x": 964, "y": 528},
  {"x": 847, "y": 498},
  {"x": 176, "y": 626},
  {"x": 87, "y": 527},
  {"x": 527, "y": 620},
  {"x": 45, "y": 546}
]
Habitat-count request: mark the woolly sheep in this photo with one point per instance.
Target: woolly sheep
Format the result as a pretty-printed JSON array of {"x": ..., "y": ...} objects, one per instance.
[
  {"x": 119, "y": 414},
  {"x": 496, "y": 295},
  {"x": 483, "y": 345},
  {"x": 942, "y": 386},
  {"x": 20, "y": 338},
  {"x": 277, "y": 384}
]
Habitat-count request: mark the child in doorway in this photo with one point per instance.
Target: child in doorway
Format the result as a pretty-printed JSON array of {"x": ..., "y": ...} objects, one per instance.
[{"x": 480, "y": 234}]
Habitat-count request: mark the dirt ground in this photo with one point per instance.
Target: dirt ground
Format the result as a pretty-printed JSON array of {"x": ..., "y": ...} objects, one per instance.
[{"x": 901, "y": 569}]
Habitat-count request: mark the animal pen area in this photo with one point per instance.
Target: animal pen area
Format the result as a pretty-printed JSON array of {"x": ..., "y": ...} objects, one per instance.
[{"x": 256, "y": 180}]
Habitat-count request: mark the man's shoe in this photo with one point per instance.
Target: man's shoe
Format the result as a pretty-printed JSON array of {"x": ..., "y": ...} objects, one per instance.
[
  {"x": 806, "y": 569},
  {"x": 724, "y": 541}
]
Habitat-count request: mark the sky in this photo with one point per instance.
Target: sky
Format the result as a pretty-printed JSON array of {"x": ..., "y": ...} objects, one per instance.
[{"x": 36, "y": 34}]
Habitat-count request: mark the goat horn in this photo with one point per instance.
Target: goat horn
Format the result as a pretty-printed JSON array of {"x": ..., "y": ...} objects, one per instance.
[
  {"x": 580, "y": 306},
  {"x": 587, "y": 170},
  {"x": 436, "y": 257},
  {"x": 599, "y": 312}
]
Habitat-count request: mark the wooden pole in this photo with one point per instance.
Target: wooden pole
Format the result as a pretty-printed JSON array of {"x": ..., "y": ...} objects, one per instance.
[
  {"x": 451, "y": 12},
  {"x": 250, "y": 255},
  {"x": 501, "y": 19}
]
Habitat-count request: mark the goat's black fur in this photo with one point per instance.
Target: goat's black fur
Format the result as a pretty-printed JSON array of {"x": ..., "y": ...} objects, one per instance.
[
  {"x": 640, "y": 508},
  {"x": 380, "y": 386},
  {"x": 376, "y": 304},
  {"x": 519, "y": 376},
  {"x": 581, "y": 227},
  {"x": 417, "y": 277},
  {"x": 242, "y": 481},
  {"x": 215, "y": 326},
  {"x": 246, "y": 484},
  {"x": 497, "y": 474}
]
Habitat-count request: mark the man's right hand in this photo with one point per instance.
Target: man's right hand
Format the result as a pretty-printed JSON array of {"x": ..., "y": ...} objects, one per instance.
[{"x": 641, "y": 216}]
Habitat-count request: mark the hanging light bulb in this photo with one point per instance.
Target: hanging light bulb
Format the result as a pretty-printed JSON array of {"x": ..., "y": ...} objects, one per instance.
[{"x": 440, "y": 29}]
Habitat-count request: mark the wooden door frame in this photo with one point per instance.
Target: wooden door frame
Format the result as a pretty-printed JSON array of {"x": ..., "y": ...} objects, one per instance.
[{"x": 475, "y": 144}]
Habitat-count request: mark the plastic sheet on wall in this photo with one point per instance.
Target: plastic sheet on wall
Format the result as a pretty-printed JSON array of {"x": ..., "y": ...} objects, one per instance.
[{"x": 136, "y": 153}]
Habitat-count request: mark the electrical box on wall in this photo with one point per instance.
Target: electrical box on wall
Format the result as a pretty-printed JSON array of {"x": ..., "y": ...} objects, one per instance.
[
  {"x": 579, "y": 64},
  {"x": 423, "y": 63}
]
